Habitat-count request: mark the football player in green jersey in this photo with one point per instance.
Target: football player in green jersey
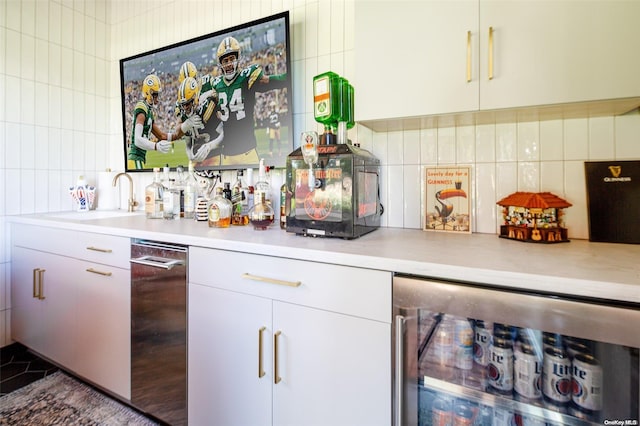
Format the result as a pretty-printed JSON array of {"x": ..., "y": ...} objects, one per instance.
[
  {"x": 236, "y": 102},
  {"x": 144, "y": 126},
  {"x": 200, "y": 148}
]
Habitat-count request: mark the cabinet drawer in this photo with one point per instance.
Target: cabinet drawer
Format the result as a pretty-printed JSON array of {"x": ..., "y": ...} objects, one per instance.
[
  {"x": 360, "y": 292},
  {"x": 98, "y": 248}
]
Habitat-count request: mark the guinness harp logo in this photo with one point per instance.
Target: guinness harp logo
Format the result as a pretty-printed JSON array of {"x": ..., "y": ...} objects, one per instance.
[{"x": 615, "y": 171}]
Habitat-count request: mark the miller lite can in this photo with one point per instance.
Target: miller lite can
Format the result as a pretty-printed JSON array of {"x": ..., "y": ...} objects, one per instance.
[
  {"x": 481, "y": 343},
  {"x": 527, "y": 371},
  {"x": 587, "y": 383},
  {"x": 551, "y": 340},
  {"x": 556, "y": 376},
  {"x": 463, "y": 344},
  {"x": 500, "y": 367}
]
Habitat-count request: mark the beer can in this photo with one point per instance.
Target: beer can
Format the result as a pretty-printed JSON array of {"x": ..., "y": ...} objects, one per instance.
[
  {"x": 462, "y": 414},
  {"x": 527, "y": 420},
  {"x": 500, "y": 367},
  {"x": 463, "y": 344},
  {"x": 481, "y": 343},
  {"x": 587, "y": 382},
  {"x": 527, "y": 371},
  {"x": 441, "y": 414},
  {"x": 573, "y": 348},
  {"x": 503, "y": 417},
  {"x": 556, "y": 376},
  {"x": 551, "y": 340}
]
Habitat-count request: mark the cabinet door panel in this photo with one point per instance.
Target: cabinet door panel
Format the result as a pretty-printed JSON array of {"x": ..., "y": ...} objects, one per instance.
[
  {"x": 26, "y": 311},
  {"x": 46, "y": 325},
  {"x": 224, "y": 387},
  {"x": 559, "y": 52},
  {"x": 411, "y": 58},
  {"x": 104, "y": 327},
  {"x": 335, "y": 369}
]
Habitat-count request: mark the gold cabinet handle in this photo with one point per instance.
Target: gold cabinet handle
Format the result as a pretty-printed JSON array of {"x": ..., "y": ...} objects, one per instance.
[
  {"x": 101, "y": 250},
  {"x": 276, "y": 373},
  {"x": 468, "y": 56},
  {"x": 271, "y": 280},
  {"x": 490, "y": 53},
  {"x": 95, "y": 271},
  {"x": 41, "y": 284},
  {"x": 35, "y": 279},
  {"x": 261, "y": 372}
]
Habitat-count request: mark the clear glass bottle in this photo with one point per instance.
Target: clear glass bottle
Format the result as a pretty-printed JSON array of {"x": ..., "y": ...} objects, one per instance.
[
  {"x": 262, "y": 184},
  {"x": 190, "y": 193},
  {"x": 171, "y": 201},
  {"x": 283, "y": 206},
  {"x": 220, "y": 211},
  {"x": 153, "y": 194},
  {"x": 261, "y": 215}
]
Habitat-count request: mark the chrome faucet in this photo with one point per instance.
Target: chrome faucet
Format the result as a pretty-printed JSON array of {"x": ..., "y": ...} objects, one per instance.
[{"x": 132, "y": 203}]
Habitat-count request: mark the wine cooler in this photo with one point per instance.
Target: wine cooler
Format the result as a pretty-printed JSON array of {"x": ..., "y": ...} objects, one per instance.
[{"x": 470, "y": 355}]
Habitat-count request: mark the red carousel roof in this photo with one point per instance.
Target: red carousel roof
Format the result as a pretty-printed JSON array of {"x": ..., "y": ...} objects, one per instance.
[{"x": 531, "y": 200}]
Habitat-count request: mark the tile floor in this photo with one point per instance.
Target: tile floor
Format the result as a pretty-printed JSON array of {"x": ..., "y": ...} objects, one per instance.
[{"x": 19, "y": 367}]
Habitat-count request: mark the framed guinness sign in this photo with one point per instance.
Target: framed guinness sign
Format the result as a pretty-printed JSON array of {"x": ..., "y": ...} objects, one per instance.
[{"x": 613, "y": 201}]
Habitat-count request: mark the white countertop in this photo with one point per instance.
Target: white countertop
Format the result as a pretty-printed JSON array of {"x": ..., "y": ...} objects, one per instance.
[{"x": 579, "y": 267}]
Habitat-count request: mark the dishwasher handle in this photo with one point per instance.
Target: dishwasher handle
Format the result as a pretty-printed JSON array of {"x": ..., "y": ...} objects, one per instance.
[{"x": 157, "y": 262}]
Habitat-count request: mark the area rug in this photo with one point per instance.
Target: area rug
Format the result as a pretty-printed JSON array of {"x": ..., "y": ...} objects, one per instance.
[{"x": 59, "y": 399}]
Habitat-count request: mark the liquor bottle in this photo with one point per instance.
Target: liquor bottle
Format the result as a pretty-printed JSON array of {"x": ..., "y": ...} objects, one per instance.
[
  {"x": 326, "y": 98},
  {"x": 226, "y": 192},
  {"x": 250, "y": 189},
  {"x": 262, "y": 185},
  {"x": 239, "y": 201},
  {"x": 261, "y": 214},
  {"x": 283, "y": 206},
  {"x": 165, "y": 176},
  {"x": 219, "y": 211},
  {"x": 153, "y": 194},
  {"x": 171, "y": 201},
  {"x": 180, "y": 178},
  {"x": 190, "y": 193}
]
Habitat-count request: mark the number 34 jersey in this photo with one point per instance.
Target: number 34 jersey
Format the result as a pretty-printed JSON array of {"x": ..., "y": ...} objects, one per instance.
[{"x": 236, "y": 104}]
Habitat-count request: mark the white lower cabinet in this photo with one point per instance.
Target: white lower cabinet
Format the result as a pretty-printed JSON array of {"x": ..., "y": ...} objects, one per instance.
[
  {"x": 266, "y": 349},
  {"x": 43, "y": 317},
  {"x": 74, "y": 311}
]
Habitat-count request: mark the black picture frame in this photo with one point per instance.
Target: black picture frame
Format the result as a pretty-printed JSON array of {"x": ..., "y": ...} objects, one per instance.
[{"x": 264, "y": 43}]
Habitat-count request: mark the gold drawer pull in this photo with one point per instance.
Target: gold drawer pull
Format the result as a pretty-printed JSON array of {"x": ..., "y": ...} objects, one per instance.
[
  {"x": 271, "y": 280},
  {"x": 101, "y": 250},
  {"x": 95, "y": 271},
  {"x": 261, "y": 372}
]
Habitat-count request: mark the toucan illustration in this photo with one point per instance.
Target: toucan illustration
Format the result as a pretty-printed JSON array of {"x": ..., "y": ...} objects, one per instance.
[{"x": 446, "y": 207}]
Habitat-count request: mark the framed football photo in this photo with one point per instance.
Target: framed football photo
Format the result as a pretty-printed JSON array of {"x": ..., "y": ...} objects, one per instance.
[{"x": 222, "y": 101}]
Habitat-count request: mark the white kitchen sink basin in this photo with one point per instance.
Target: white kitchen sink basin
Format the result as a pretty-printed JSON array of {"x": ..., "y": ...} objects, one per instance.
[{"x": 95, "y": 214}]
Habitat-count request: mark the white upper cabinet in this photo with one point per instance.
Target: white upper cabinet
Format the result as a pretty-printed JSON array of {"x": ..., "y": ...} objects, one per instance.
[
  {"x": 425, "y": 58},
  {"x": 555, "y": 52},
  {"x": 415, "y": 58}
]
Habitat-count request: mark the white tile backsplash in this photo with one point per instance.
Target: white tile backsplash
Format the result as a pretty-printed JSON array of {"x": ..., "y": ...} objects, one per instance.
[
  {"x": 551, "y": 140},
  {"x": 576, "y": 139},
  {"x": 627, "y": 136},
  {"x": 601, "y": 136}
]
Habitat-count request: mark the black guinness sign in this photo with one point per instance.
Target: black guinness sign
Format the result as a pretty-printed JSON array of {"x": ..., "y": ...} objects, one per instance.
[{"x": 613, "y": 201}]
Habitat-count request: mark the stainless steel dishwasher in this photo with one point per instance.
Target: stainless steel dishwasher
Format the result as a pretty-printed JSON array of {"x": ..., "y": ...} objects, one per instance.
[{"x": 159, "y": 330}]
